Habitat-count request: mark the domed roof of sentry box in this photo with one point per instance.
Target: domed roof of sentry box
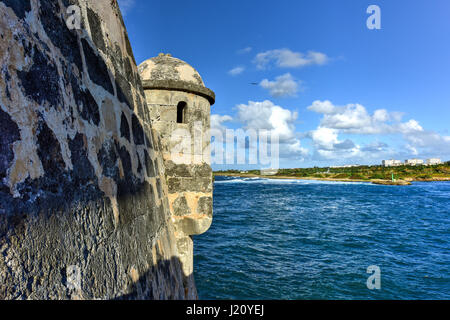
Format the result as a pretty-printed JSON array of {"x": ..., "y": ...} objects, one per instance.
[{"x": 169, "y": 73}]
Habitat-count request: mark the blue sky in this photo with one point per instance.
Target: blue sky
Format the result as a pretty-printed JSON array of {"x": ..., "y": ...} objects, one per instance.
[{"x": 337, "y": 92}]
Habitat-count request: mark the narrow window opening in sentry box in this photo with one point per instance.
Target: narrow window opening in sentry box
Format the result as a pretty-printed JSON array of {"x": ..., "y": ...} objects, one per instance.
[{"x": 181, "y": 112}]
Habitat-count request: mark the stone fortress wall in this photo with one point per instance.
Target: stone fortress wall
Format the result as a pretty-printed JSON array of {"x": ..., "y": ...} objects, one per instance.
[
  {"x": 85, "y": 208},
  {"x": 170, "y": 83}
]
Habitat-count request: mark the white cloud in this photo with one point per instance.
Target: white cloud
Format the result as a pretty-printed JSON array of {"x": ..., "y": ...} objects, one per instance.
[
  {"x": 283, "y": 86},
  {"x": 293, "y": 149},
  {"x": 376, "y": 146},
  {"x": 218, "y": 127},
  {"x": 217, "y": 121},
  {"x": 325, "y": 107},
  {"x": 427, "y": 142},
  {"x": 327, "y": 144},
  {"x": 338, "y": 138},
  {"x": 354, "y": 119},
  {"x": 236, "y": 71},
  {"x": 381, "y": 115},
  {"x": 396, "y": 116},
  {"x": 412, "y": 150},
  {"x": 411, "y": 126},
  {"x": 245, "y": 50},
  {"x": 266, "y": 115},
  {"x": 126, "y": 6},
  {"x": 285, "y": 58},
  {"x": 337, "y": 156},
  {"x": 325, "y": 138}
]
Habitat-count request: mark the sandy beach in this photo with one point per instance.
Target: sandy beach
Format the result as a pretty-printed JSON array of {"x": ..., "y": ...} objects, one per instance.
[{"x": 375, "y": 181}]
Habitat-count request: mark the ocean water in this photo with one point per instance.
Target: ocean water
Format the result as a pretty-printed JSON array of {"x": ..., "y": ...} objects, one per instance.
[{"x": 298, "y": 239}]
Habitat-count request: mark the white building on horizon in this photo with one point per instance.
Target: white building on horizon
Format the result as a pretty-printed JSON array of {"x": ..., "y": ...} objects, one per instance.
[
  {"x": 414, "y": 162},
  {"x": 433, "y": 161},
  {"x": 391, "y": 163}
]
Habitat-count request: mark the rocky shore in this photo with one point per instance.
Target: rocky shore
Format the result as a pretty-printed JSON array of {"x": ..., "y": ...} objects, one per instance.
[{"x": 392, "y": 183}]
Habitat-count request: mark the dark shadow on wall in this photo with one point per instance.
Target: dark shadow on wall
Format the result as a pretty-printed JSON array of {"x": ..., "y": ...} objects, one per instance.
[
  {"x": 63, "y": 217},
  {"x": 62, "y": 190},
  {"x": 154, "y": 283}
]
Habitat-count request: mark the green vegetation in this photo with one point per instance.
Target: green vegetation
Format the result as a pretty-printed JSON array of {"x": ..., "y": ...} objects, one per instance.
[{"x": 421, "y": 172}]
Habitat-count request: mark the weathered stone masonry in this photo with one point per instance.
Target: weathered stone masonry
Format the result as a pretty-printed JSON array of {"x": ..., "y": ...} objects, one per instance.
[
  {"x": 179, "y": 106},
  {"x": 82, "y": 176}
]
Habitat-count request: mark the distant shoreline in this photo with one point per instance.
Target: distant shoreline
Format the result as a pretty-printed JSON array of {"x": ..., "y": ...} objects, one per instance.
[{"x": 374, "y": 181}]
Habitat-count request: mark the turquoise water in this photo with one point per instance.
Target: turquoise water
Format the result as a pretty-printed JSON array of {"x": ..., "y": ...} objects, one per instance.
[{"x": 297, "y": 239}]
